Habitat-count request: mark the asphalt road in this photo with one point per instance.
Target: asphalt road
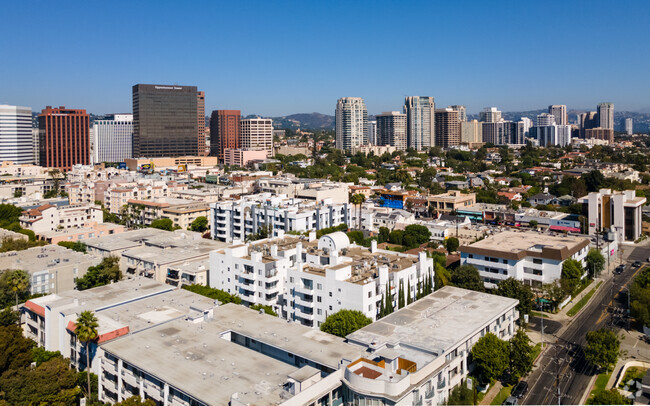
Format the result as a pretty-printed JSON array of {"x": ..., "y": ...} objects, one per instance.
[{"x": 564, "y": 363}]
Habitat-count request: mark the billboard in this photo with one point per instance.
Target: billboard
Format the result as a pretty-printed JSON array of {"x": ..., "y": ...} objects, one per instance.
[{"x": 182, "y": 168}]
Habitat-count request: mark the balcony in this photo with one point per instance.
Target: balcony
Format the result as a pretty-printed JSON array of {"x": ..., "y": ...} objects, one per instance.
[
  {"x": 441, "y": 384},
  {"x": 304, "y": 290}
]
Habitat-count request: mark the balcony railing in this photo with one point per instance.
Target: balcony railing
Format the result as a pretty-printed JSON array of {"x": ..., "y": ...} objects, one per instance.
[{"x": 442, "y": 384}]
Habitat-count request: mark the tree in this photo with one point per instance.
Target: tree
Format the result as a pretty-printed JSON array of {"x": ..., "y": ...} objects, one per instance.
[
  {"x": 86, "y": 331},
  {"x": 409, "y": 299},
  {"x": 102, "y": 274},
  {"x": 19, "y": 282},
  {"x": 593, "y": 180},
  {"x": 15, "y": 349},
  {"x": 452, "y": 244},
  {"x": 461, "y": 395},
  {"x": 554, "y": 293},
  {"x": 8, "y": 316},
  {"x": 490, "y": 354},
  {"x": 533, "y": 223},
  {"x": 163, "y": 224},
  {"x": 216, "y": 294},
  {"x": 75, "y": 246},
  {"x": 467, "y": 277},
  {"x": 200, "y": 224},
  {"x": 442, "y": 276},
  {"x": 602, "y": 348},
  {"x": 357, "y": 200},
  {"x": 396, "y": 236},
  {"x": 384, "y": 232},
  {"x": 421, "y": 234},
  {"x": 571, "y": 273},
  {"x": 41, "y": 355},
  {"x": 400, "y": 295},
  {"x": 521, "y": 355},
  {"x": 640, "y": 297},
  {"x": 515, "y": 289},
  {"x": 267, "y": 309},
  {"x": 595, "y": 262},
  {"x": 609, "y": 397},
  {"x": 389, "y": 300},
  {"x": 135, "y": 401},
  {"x": 344, "y": 322}
]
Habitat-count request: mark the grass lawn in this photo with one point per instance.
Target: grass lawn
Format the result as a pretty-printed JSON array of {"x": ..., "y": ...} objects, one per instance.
[
  {"x": 582, "y": 302},
  {"x": 601, "y": 383},
  {"x": 536, "y": 350},
  {"x": 582, "y": 286},
  {"x": 539, "y": 314},
  {"x": 502, "y": 395}
]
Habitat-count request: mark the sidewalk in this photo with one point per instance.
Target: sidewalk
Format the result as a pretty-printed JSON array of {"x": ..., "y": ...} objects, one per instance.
[{"x": 492, "y": 393}]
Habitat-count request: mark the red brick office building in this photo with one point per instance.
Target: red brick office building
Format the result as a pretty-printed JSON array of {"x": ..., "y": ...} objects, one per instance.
[{"x": 63, "y": 137}]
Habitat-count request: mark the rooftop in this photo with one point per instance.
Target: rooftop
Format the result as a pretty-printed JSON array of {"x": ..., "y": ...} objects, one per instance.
[{"x": 37, "y": 259}]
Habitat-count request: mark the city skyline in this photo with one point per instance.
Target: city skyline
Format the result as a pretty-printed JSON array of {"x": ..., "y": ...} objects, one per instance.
[{"x": 276, "y": 60}]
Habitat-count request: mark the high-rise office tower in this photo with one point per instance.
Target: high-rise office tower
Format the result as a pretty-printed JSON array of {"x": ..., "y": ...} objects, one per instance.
[
  {"x": 471, "y": 132},
  {"x": 462, "y": 112},
  {"x": 225, "y": 131},
  {"x": 490, "y": 115},
  {"x": 588, "y": 121},
  {"x": 391, "y": 129},
  {"x": 16, "y": 142},
  {"x": 606, "y": 115},
  {"x": 113, "y": 138},
  {"x": 447, "y": 128},
  {"x": 351, "y": 123},
  {"x": 523, "y": 129},
  {"x": 420, "y": 124},
  {"x": 629, "y": 126},
  {"x": 200, "y": 111},
  {"x": 257, "y": 134},
  {"x": 545, "y": 119},
  {"x": 372, "y": 133},
  {"x": 553, "y": 135},
  {"x": 165, "y": 121},
  {"x": 63, "y": 138},
  {"x": 501, "y": 133},
  {"x": 559, "y": 111}
]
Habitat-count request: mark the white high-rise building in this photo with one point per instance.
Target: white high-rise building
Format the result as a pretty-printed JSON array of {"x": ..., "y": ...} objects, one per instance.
[
  {"x": 629, "y": 126},
  {"x": 523, "y": 128},
  {"x": 490, "y": 115},
  {"x": 391, "y": 129},
  {"x": 462, "y": 112},
  {"x": 351, "y": 123},
  {"x": 606, "y": 115},
  {"x": 35, "y": 143},
  {"x": 16, "y": 140},
  {"x": 112, "y": 139},
  {"x": 559, "y": 111},
  {"x": 372, "y": 133},
  {"x": 546, "y": 119},
  {"x": 420, "y": 113},
  {"x": 553, "y": 135},
  {"x": 257, "y": 134}
]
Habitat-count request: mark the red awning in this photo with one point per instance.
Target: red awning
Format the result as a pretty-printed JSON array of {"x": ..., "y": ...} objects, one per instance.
[{"x": 563, "y": 228}]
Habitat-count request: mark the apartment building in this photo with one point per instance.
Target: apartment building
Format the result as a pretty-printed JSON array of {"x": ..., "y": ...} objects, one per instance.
[
  {"x": 530, "y": 257},
  {"x": 305, "y": 280},
  {"x": 257, "y": 135},
  {"x": 237, "y": 219},
  {"x": 451, "y": 201},
  {"x": 403, "y": 359},
  {"x": 122, "y": 309},
  {"x": 47, "y": 218},
  {"x": 181, "y": 212},
  {"x": 617, "y": 211},
  {"x": 51, "y": 268},
  {"x": 118, "y": 196}
]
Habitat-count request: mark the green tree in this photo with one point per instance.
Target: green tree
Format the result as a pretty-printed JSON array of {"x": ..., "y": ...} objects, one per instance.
[
  {"x": 135, "y": 401},
  {"x": 521, "y": 355},
  {"x": 396, "y": 236},
  {"x": 102, "y": 274},
  {"x": 571, "y": 273},
  {"x": 602, "y": 348},
  {"x": 554, "y": 293},
  {"x": 467, "y": 277},
  {"x": 609, "y": 397},
  {"x": 389, "y": 300},
  {"x": 515, "y": 289},
  {"x": 595, "y": 262},
  {"x": 442, "y": 276},
  {"x": 15, "y": 349},
  {"x": 452, "y": 244},
  {"x": 409, "y": 299},
  {"x": 421, "y": 234},
  {"x": 163, "y": 224},
  {"x": 200, "y": 224},
  {"x": 533, "y": 223},
  {"x": 344, "y": 322},
  {"x": 384, "y": 232},
  {"x": 593, "y": 180},
  {"x": 8, "y": 316},
  {"x": 490, "y": 354},
  {"x": 216, "y": 294},
  {"x": 86, "y": 331},
  {"x": 19, "y": 283},
  {"x": 267, "y": 309},
  {"x": 640, "y": 297},
  {"x": 400, "y": 295},
  {"x": 9, "y": 214},
  {"x": 461, "y": 395},
  {"x": 357, "y": 200},
  {"x": 75, "y": 246},
  {"x": 41, "y": 355}
]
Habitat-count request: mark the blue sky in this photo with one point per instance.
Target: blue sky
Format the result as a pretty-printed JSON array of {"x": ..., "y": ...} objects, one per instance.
[{"x": 275, "y": 57}]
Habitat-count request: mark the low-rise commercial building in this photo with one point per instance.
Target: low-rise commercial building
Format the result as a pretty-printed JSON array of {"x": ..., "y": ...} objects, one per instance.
[
  {"x": 181, "y": 212},
  {"x": 620, "y": 212},
  {"x": 453, "y": 200},
  {"x": 242, "y": 157},
  {"x": 530, "y": 257}
]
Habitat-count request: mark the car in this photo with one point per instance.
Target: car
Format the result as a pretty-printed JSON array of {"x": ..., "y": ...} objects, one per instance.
[
  {"x": 637, "y": 264},
  {"x": 619, "y": 269},
  {"x": 520, "y": 389},
  {"x": 511, "y": 401}
]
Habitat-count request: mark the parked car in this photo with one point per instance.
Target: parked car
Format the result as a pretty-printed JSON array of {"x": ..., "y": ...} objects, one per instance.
[
  {"x": 520, "y": 389},
  {"x": 619, "y": 269},
  {"x": 637, "y": 264},
  {"x": 511, "y": 401}
]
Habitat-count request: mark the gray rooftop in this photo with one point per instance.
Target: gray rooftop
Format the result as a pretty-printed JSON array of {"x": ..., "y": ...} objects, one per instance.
[
  {"x": 37, "y": 259},
  {"x": 435, "y": 323}
]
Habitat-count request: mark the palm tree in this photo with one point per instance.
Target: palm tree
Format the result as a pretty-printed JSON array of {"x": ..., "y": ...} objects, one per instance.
[
  {"x": 19, "y": 281},
  {"x": 358, "y": 199},
  {"x": 86, "y": 331}
]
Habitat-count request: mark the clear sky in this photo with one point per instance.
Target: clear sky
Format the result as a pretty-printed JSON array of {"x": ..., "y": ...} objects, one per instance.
[{"x": 275, "y": 58}]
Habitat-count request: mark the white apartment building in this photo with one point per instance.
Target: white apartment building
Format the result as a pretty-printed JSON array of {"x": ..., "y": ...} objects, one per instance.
[
  {"x": 530, "y": 257},
  {"x": 305, "y": 280},
  {"x": 372, "y": 132},
  {"x": 420, "y": 112},
  {"x": 490, "y": 115},
  {"x": 545, "y": 119},
  {"x": 554, "y": 134},
  {"x": 351, "y": 123},
  {"x": 629, "y": 126},
  {"x": 113, "y": 138},
  {"x": 51, "y": 268},
  {"x": 619, "y": 212},
  {"x": 48, "y": 217},
  {"x": 16, "y": 139},
  {"x": 237, "y": 219},
  {"x": 257, "y": 134}
]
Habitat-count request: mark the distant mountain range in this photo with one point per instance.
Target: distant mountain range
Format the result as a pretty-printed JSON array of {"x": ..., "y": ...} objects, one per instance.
[{"x": 304, "y": 121}]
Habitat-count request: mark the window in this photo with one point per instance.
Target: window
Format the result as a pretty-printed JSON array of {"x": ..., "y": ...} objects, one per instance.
[
  {"x": 330, "y": 307},
  {"x": 330, "y": 294},
  {"x": 369, "y": 294},
  {"x": 537, "y": 260},
  {"x": 319, "y": 299},
  {"x": 471, "y": 256},
  {"x": 319, "y": 312},
  {"x": 319, "y": 286},
  {"x": 291, "y": 279}
]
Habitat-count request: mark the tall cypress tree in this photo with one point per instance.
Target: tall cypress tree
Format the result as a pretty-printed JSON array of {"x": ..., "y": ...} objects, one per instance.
[
  {"x": 400, "y": 297},
  {"x": 388, "y": 309},
  {"x": 382, "y": 309},
  {"x": 409, "y": 300}
]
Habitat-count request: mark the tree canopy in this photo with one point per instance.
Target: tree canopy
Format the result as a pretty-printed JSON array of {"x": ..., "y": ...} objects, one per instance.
[
  {"x": 344, "y": 322},
  {"x": 595, "y": 262},
  {"x": 609, "y": 397},
  {"x": 163, "y": 224},
  {"x": 602, "y": 348},
  {"x": 75, "y": 246},
  {"x": 217, "y": 294},
  {"x": 571, "y": 274},
  {"x": 200, "y": 224},
  {"x": 521, "y": 355},
  {"x": 467, "y": 277},
  {"x": 490, "y": 354},
  {"x": 102, "y": 274},
  {"x": 516, "y": 289},
  {"x": 452, "y": 244},
  {"x": 640, "y": 297}
]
